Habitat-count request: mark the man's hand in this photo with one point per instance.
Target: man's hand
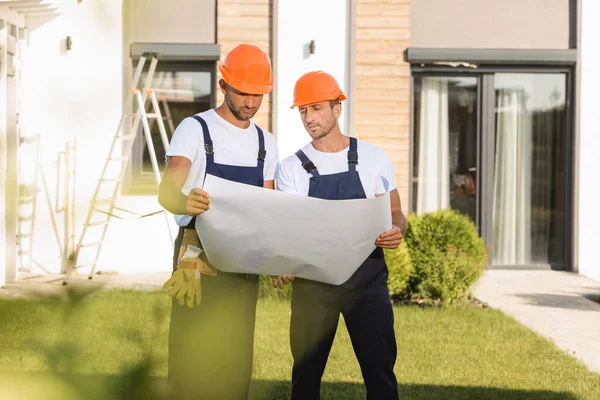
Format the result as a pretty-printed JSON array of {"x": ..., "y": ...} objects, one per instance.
[
  {"x": 198, "y": 201},
  {"x": 390, "y": 239},
  {"x": 281, "y": 281}
]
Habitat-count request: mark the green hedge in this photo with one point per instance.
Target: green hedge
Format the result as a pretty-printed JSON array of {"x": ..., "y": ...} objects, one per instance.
[
  {"x": 447, "y": 255},
  {"x": 400, "y": 270}
]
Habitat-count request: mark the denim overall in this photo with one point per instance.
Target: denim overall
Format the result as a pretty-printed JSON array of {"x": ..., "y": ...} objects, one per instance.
[
  {"x": 211, "y": 345},
  {"x": 363, "y": 300}
]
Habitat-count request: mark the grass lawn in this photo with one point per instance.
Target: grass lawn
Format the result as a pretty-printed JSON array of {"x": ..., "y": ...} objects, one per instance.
[{"x": 96, "y": 351}]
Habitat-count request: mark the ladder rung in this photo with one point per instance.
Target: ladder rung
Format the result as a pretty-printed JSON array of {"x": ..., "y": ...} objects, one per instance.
[
  {"x": 28, "y": 189},
  {"x": 25, "y": 219},
  {"x": 113, "y": 179},
  {"x": 148, "y": 115},
  {"x": 84, "y": 265},
  {"x": 104, "y": 201},
  {"x": 90, "y": 244},
  {"x": 99, "y": 223},
  {"x": 23, "y": 252},
  {"x": 126, "y": 137},
  {"x": 121, "y": 159},
  {"x": 23, "y": 235},
  {"x": 137, "y": 114}
]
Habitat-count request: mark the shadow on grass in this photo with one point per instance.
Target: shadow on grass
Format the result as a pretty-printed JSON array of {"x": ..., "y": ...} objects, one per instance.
[
  {"x": 134, "y": 386},
  {"x": 280, "y": 390}
]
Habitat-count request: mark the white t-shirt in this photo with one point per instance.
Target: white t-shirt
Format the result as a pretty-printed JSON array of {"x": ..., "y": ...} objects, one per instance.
[
  {"x": 232, "y": 146},
  {"x": 374, "y": 167}
]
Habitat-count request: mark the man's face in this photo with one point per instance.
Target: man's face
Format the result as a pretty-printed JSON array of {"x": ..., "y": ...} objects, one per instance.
[
  {"x": 243, "y": 106},
  {"x": 320, "y": 118}
]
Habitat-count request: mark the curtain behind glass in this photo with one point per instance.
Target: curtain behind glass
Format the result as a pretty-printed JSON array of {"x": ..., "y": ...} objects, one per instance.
[
  {"x": 512, "y": 179},
  {"x": 433, "y": 176}
]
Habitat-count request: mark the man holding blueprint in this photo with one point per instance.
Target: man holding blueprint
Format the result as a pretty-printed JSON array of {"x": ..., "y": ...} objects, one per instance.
[
  {"x": 335, "y": 167},
  {"x": 211, "y": 334}
]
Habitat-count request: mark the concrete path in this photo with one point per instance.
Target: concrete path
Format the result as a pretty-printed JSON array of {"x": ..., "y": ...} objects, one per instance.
[
  {"x": 25, "y": 284},
  {"x": 561, "y": 306}
]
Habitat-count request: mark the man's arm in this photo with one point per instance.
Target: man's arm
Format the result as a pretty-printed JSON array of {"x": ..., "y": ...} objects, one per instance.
[
  {"x": 169, "y": 190},
  {"x": 398, "y": 218},
  {"x": 269, "y": 184}
]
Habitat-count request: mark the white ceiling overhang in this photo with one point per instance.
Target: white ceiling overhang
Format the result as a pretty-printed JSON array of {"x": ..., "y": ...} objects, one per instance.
[{"x": 17, "y": 11}]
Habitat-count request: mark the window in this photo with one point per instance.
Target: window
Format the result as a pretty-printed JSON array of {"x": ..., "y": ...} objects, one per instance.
[
  {"x": 494, "y": 146},
  {"x": 182, "y": 89}
]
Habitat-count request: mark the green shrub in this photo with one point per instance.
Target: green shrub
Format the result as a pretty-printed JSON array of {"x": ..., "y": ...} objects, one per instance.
[
  {"x": 452, "y": 275},
  {"x": 447, "y": 254},
  {"x": 267, "y": 291},
  {"x": 400, "y": 270}
]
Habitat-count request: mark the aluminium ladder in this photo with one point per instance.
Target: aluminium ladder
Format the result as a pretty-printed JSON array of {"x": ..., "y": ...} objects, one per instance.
[{"x": 119, "y": 163}]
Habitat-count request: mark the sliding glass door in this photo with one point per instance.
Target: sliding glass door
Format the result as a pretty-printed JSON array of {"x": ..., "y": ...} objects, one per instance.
[
  {"x": 529, "y": 200},
  {"x": 494, "y": 146}
]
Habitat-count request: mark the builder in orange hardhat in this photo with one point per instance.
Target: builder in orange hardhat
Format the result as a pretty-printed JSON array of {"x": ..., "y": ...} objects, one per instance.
[
  {"x": 212, "y": 318},
  {"x": 337, "y": 167}
]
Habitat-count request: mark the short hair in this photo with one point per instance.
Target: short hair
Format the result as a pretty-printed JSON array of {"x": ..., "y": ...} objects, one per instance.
[{"x": 334, "y": 103}]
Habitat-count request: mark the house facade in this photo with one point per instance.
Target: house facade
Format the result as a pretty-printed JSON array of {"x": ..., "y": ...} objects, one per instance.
[{"x": 483, "y": 106}]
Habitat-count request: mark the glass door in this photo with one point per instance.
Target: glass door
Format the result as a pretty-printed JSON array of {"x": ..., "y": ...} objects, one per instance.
[
  {"x": 445, "y": 142},
  {"x": 529, "y": 187},
  {"x": 495, "y": 146}
]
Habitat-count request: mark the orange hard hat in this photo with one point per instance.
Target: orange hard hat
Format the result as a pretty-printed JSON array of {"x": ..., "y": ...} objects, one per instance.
[
  {"x": 314, "y": 87},
  {"x": 248, "y": 69}
]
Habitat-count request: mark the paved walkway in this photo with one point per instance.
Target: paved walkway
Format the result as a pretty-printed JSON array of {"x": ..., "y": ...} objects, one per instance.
[
  {"x": 558, "y": 305},
  {"x": 26, "y": 284}
]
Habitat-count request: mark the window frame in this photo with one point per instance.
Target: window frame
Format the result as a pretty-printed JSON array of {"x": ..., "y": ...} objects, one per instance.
[
  {"x": 486, "y": 145},
  {"x": 137, "y": 182}
]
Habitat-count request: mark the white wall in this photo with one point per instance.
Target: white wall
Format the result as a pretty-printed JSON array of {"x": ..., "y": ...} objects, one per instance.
[
  {"x": 175, "y": 21},
  {"x": 297, "y": 25},
  {"x": 514, "y": 24},
  {"x": 3, "y": 155},
  {"x": 589, "y": 148},
  {"x": 79, "y": 94}
]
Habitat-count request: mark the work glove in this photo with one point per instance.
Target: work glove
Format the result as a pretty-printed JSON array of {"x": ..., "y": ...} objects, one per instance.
[{"x": 185, "y": 284}]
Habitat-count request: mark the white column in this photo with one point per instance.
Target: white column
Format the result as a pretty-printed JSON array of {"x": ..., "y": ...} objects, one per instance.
[
  {"x": 589, "y": 145},
  {"x": 8, "y": 152},
  {"x": 3, "y": 155},
  {"x": 331, "y": 31}
]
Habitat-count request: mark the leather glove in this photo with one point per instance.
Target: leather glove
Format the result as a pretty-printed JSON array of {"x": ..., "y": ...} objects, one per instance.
[
  {"x": 193, "y": 294},
  {"x": 185, "y": 282},
  {"x": 179, "y": 283}
]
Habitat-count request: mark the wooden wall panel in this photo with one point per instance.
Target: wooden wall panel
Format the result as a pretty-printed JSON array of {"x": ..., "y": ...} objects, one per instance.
[
  {"x": 383, "y": 82},
  {"x": 246, "y": 21}
]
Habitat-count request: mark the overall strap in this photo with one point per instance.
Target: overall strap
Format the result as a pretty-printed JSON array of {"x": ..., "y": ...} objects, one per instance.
[
  {"x": 208, "y": 144},
  {"x": 307, "y": 164},
  {"x": 352, "y": 155},
  {"x": 262, "y": 152}
]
